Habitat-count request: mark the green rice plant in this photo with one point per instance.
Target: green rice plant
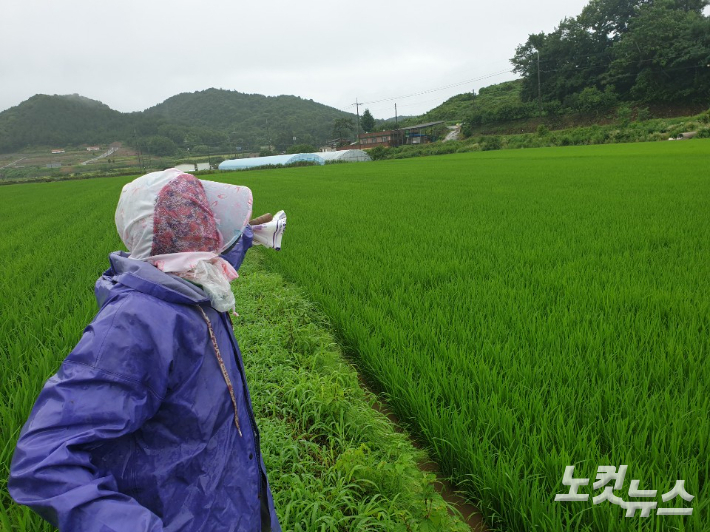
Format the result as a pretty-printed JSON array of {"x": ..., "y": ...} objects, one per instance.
[{"x": 523, "y": 311}]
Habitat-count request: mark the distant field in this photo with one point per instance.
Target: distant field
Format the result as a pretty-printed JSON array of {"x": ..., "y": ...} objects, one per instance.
[{"x": 522, "y": 310}]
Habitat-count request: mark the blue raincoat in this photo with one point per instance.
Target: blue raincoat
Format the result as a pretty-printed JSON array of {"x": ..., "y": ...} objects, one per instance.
[{"x": 136, "y": 431}]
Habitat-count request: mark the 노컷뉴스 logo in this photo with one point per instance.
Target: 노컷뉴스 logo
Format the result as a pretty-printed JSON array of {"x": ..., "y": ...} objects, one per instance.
[{"x": 607, "y": 474}]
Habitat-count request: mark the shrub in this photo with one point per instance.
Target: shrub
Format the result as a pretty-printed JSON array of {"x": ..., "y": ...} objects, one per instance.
[
  {"x": 160, "y": 146},
  {"x": 378, "y": 153},
  {"x": 553, "y": 108},
  {"x": 469, "y": 148},
  {"x": 623, "y": 114},
  {"x": 492, "y": 142}
]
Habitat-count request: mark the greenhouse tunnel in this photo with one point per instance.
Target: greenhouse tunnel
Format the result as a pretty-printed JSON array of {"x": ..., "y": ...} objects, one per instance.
[
  {"x": 252, "y": 162},
  {"x": 346, "y": 156}
]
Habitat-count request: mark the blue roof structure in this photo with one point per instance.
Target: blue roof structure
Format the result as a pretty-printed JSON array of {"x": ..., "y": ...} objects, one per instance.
[{"x": 251, "y": 162}]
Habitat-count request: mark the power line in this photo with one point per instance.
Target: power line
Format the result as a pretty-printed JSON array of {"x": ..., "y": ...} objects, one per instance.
[{"x": 452, "y": 85}]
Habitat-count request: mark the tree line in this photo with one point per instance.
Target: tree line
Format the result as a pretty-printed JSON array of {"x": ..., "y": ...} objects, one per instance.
[{"x": 646, "y": 51}]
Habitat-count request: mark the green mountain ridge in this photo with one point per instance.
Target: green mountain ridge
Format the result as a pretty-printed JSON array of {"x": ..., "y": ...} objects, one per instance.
[
  {"x": 58, "y": 120},
  {"x": 214, "y": 118}
]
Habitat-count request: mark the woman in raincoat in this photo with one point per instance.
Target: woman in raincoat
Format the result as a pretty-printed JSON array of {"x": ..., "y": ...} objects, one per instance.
[{"x": 148, "y": 424}]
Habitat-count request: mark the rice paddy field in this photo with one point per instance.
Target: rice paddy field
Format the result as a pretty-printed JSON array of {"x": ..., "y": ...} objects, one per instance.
[{"x": 520, "y": 311}]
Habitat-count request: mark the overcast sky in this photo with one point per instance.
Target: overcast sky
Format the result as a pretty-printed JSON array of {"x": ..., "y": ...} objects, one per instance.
[{"x": 132, "y": 55}]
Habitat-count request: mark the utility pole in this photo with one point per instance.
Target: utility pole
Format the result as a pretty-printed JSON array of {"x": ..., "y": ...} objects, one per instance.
[
  {"x": 268, "y": 133},
  {"x": 395, "y": 136},
  {"x": 138, "y": 147},
  {"x": 539, "y": 94},
  {"x": 357, "y": 110}
]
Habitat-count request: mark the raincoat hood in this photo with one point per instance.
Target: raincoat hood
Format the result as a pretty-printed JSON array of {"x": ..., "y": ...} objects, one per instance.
[
  {"x": 180, "y": 224},
  {"x": 172, "y": 212}
]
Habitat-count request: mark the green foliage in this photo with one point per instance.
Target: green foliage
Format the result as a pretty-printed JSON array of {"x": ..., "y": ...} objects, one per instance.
[
  {"x": 491, "y": 142},
  {"x": 455, "y": 108},
  {"x": 665, "y": 54},
  {"x": 367, "y": 122},
  {"x": 543, "y": 130},
  {"x": 160, "y": 146},
  {"x": 592, "y": 100},
  {"x": 301, "y": 148},
  {"x": 343, "y": 127},
  {"x": 624, "y": 114},
  {"x": 377, "y": 153},
  {"x": 389, "y": 125},
  {"x": 497, "y": 103},
  {"x": 642, "y": 114},
  {"x": 650, "y": 51}
]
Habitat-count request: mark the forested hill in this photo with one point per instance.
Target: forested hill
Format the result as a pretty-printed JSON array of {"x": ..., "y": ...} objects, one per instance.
[
  {"x": 245, "y": 118},
  {"x": 58, "y": 121},
  {"x": 215, "y": 119}
]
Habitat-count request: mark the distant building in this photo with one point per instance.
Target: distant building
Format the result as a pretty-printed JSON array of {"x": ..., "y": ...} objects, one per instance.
[
  {"x": 57, "y": 151},
  {"x": 419, "y": 134},
  {"x": 93, "y": 148},
  {"x": 335, "y": 144},
  {"x": 54, "y": 165},
  {"x": 388, "y": 139}
]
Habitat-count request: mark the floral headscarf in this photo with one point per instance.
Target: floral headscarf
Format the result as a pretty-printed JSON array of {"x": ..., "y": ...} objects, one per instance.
[{"x": 180, "y": 224}]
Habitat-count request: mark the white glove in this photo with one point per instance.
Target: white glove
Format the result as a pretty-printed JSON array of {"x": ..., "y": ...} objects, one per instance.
[{"x": 270, "y": 233}]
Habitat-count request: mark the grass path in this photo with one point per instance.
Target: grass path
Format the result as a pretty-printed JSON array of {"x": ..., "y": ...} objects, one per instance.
[{"x": 334, "y": 462}]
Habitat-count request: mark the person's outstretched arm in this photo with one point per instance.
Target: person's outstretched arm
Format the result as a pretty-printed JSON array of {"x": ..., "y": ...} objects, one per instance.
[{"x": 109, "y": 385}]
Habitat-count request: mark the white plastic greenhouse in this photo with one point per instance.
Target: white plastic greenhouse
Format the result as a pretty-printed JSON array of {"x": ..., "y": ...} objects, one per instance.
[
  {"x": 346, "y": 156},
  {"x": 251, "y": 162}
]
